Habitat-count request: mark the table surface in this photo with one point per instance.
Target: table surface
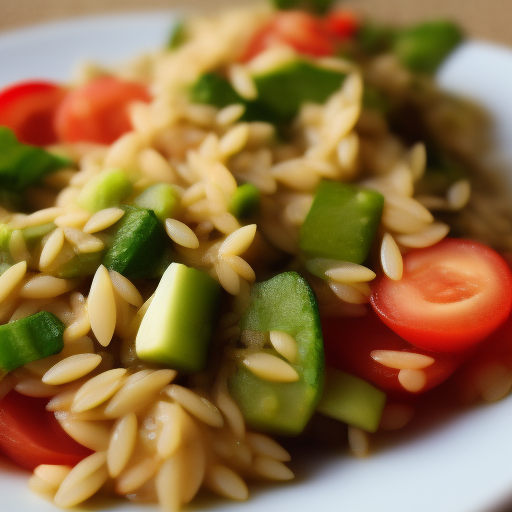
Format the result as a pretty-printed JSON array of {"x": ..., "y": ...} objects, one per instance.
[{"x": 483, "y": 19}]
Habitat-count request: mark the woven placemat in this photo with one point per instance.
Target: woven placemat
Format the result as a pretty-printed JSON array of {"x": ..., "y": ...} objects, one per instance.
[{"x": 485, "y": 19}]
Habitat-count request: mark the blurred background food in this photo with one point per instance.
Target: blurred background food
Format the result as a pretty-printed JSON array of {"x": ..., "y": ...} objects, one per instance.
[{"x": 483, "y": 19}]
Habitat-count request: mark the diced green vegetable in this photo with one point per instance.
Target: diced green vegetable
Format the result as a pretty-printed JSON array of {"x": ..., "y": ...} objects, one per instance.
[
  {"x": 245, "y": 201},
  {"x": 105, "y": 190},
  {"x": 177, "y": 327},
  {"x": 69, "y": 265},
  {"x": 5, "y": 255},
  {"x": 311, "y": 5},
  {"x": 342, "y": 222},
  {"x": 33, "y": 234},
  {"x": 351, "y": 400},
  {"x": 212, "y": 89},
  {"x": 424, "y": 47},
  {"x": 22, "y": 165},
  {"x": 161, "y": 198},
  {"x": 30, "y": 339},
  {"x": 285, "y": 89},
  {"x": 138, "y": 244},
  {"x": 177, "y": 36},
  {"x": 281, "y": 91},
  {"x": 284, "y": 303}
]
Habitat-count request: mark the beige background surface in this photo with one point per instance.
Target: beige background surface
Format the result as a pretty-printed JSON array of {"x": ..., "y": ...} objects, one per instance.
[{"x": 488, "y": 19}]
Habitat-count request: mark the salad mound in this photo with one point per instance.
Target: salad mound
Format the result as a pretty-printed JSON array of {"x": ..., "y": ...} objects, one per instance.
[{"x": 275, "y": 221}]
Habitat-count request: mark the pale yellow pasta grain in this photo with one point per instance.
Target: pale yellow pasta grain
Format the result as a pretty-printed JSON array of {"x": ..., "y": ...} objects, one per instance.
[
  {"x": 122, "y": 444},
  {"x": 401, "y": 360},
  {"x": 269, "y": 367},
  {"x": 181, "y": 234},
  {"x": 103, "y": 219},
  {"x": 51, "y": 248},
  {"x": 224, "y": 481},
  {"x": 72, "y": 368},
  {"x": 284, "y": 345},
  {"x": 239, "y": 241},
  {"x": 126, "y": 289},
  {"x": 102, "y": 307},
  {"x": 11, "y": 278}
]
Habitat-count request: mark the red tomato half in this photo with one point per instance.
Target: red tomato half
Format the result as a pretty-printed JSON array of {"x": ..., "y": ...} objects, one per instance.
[
  {"x": 451, "y": 296},
  {"x": 98, "y": 111},
  {"x": 342, "y": 25},
  {"x": 349, "y": 342},
  {"x": 300, "y": 30},
  {"x": 30, "y": 435},
  {"x": 28, "y": 108}
]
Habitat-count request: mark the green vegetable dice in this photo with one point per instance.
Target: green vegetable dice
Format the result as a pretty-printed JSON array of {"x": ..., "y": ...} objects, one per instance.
[
  {"x": 161, "y": 198},
  {"x": 138, "y": 244},
  {"x": 351, "y": 400},
  {"x": 30, "y": 339},
  {"x": 245, "y": 201},
  {"x": 312, "y": 5},
  {"x": 22, "y": 165},
  {"x": 342, "y": 222},
  {"x": 424, "y": 47},
  {"x": 105, "y": 190},
  {"x": 177, "y": 327},
  {"x": 177, "y": 36},
  {"x": 284, "y": 303}
]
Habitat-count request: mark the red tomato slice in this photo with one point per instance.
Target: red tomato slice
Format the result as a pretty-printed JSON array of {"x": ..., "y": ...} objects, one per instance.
[
  {"x": 98, "y": 111},
  {"x": 349, "y": 342},
  {"x": 28, "y": 108},
  {"x": 297, "y": 29},
  {"x": 342, "y": 24},
  {"x": 30, "y": 435},
  {"x": 451, "y": 296}
]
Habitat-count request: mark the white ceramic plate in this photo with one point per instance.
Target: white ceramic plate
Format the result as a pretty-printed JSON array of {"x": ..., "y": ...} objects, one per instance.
[{"x": 459, "y": 463}]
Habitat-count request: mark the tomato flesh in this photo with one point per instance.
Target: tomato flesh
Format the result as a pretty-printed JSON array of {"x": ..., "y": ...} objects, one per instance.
[
  {"x": 28, "y": 108},
  {"x": 451, "y": 296},
  {"x": 349, "y": 342},
  {"x": 342, "y": 25},
  {"x": 302, "y": 31},
  {"x": 98, "y": 111},
  {"x": 30, "y": 435}
]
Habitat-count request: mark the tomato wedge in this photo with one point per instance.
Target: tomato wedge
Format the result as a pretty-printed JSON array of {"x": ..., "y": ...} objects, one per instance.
[
  {"x": 451, "y": 296},
  {"x": 28, "y": 108},
  {"x": 98, "y": 111},
  {"x": 349, "y": 343},
  {"x": 342, "y": 25},
  {"x": 30, "y": 435},
  {"x": 302, "y": 31}
]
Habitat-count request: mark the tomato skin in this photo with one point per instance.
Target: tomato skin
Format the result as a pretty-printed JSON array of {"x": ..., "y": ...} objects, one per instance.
[
  {"x": 349, "y": 341},
  {"x": 452, "y": 296},
  {"x": 342, "y": 25},
  {"x": 30, "y": 435},
  {"x": 302, "y": 31},
  {"x": 98, "y": 110},
  {"x": 28, "y": 108}
]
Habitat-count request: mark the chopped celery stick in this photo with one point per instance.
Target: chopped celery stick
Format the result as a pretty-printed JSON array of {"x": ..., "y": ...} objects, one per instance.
[
  {"x": 351, "y": 400},
  {"x": 105, "y": 190},
  {"x": 341, "y": 223},
  {"x": 284, "y": 303},
  {"x": 22, "y": 165},
  {"x": 30, "y": 339},
  {"x": 245, "y": 201},
  {"x": 178, "y": 325},
  {"x": 161, "y": 198},
  {"x": 138, "y": 244}
]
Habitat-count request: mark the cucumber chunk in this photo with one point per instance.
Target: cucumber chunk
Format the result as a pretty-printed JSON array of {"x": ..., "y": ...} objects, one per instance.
[
  {"x": 285, "y": 89},
  {"x": 34, "y": 234},
  {"x": 342, "y": 222},
  {"x": 161, "y": 198},
  {"x": 284, "y": 303},
  {"x": 245, "y": 201},
  {"x": 69, "y": 265},
  {"x": 178, "y": 325},
  {"x": 138, "y": 244},
  {"x": 105, "y": 190},
  {"x": 351, "y": 400},
  {"x": 30, "y": 339},
  {"x": 5, "y": 255}
]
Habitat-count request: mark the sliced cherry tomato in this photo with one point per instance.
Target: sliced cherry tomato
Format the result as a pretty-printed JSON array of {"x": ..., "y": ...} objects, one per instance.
[
  {"x": 302, "y": 31},
  {"x": 342, "y": 25},
  {"x": 349, "y": 342},
  {"x": 28, "y": 108},
  {"x": 451, "y": 296},
  {"x": 98, "y": 111},
  {"x": 30, "y": 435}
]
